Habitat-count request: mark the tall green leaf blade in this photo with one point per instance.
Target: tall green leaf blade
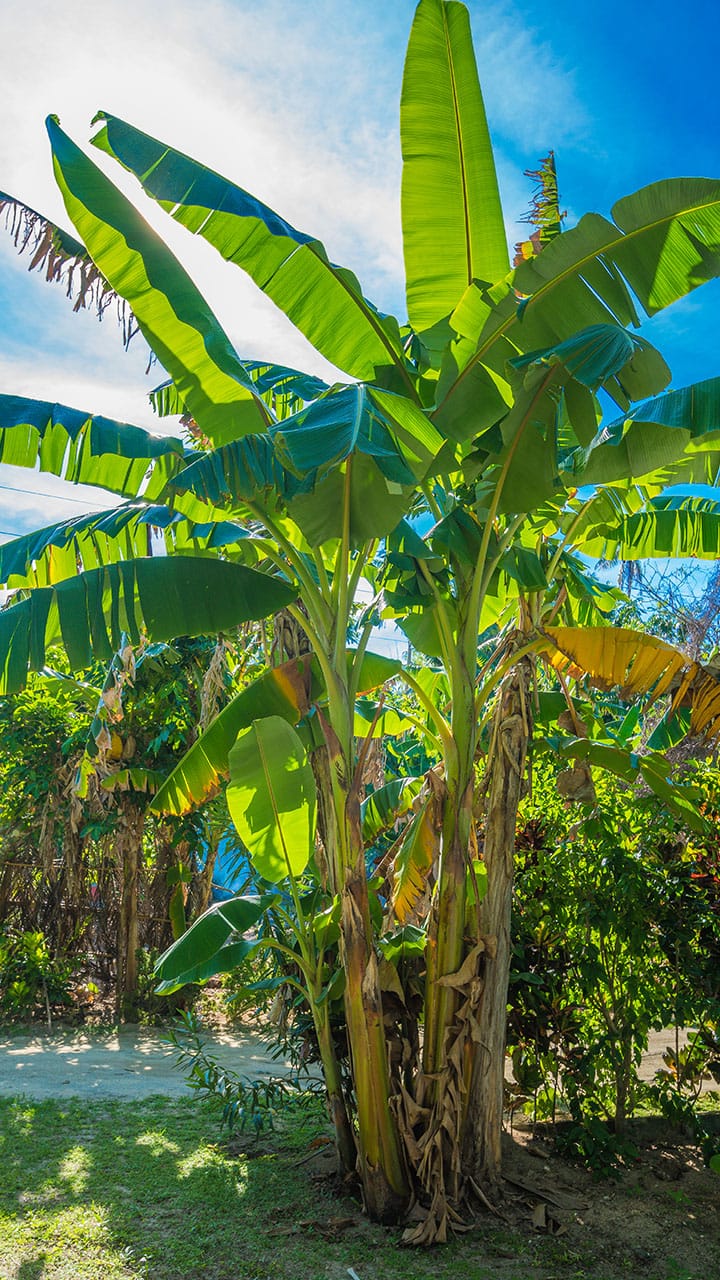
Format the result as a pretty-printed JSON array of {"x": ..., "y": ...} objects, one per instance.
[
  {"x": 272, "y": 799},
  {"x": 167, "y": 596},
  {"x": 324, "y": 301},
  {"x": 175, "y": 320},
  {"x": 453, "y": 227}
]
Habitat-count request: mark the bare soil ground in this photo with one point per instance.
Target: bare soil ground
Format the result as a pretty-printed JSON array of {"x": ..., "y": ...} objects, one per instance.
[{"x": 132, "y": 1062}]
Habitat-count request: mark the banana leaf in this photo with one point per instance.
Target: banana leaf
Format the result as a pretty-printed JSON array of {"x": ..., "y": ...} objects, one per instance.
[
  {"x": 87, "y": 448},
  {"x": 323, "y": 301},
  {"x": 175, "y": 320},
  {"x": 203, "y": 950},
  {"x": 663, "y": 243},
  {"x": 99, "y": 538},
  {"x": 65, "y": 261},
  {"x": 652, "y": 436},
  {"x": 453, "y": 228},
  {"x": 165, "y": 597},
  {"x": 287, "y": 691},
  {"x": 272, "y": 798}
]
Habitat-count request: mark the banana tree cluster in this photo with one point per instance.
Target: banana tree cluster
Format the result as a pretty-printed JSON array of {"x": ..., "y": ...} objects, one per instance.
[{"x": 462, "y": 468}]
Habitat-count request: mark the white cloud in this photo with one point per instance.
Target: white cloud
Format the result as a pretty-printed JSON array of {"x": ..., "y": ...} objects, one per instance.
[{"x": 298, "y": 103}]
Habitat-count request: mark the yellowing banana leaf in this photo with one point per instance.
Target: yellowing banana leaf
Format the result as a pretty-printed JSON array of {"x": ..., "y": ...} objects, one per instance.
[
  {"x": 453, "y": 228},
  {"x": 632, "y": 661},
  {"x": 175, "y": 320},
  {"x": 324, "y": 301},
  {"x": 415, "y": 860},
  {"x": 637, "y": 663},
  {"x": 87, "y": 448},
  {"x": 272, "y": 798},
  {"x": 164, "y": 597}
]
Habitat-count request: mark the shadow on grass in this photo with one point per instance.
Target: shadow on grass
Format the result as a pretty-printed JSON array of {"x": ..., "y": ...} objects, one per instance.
[
  {"x": 32, "y": 1268},
  {"x": 148, "y": 1189}
]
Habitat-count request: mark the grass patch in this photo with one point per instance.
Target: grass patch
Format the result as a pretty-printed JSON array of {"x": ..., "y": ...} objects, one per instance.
[{"x": 151, "y": 1191}]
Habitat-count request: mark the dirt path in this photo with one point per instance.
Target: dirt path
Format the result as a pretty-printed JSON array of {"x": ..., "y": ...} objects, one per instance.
[{"x": 134, "y": 1062}]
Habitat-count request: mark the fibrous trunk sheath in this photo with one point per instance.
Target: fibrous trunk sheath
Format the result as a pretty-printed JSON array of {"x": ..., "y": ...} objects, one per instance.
[{"x": 510, "y": 741}]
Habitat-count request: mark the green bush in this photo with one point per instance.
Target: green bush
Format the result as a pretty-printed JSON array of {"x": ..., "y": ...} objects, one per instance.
[
  {"x": 617, "y": 933},
  {"x": 32, "y": 981}
]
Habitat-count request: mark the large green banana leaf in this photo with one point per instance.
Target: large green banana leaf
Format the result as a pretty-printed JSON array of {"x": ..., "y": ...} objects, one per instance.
[
  {"x": 605, "y": 355},
  {"x": 284, "y": 390},
  {"x": 652, "y": 436},
  {"x": 667, "y": 527},
  {"x": 364, "y": 420},
  {"x": 387, "y": 442},
  {"x": 601, "y": 356},
  {"x": 453, "y": 228},
  {"x": 287, "y": 691},
  {"x": 174, "y": 317},
  {"x": 203, "y": 950},
  {"x": 86, "y": 448},
  {"x": 272, "y": 798},
  {"x": 97, "y": 538},
  {"x": 166, "y": 597},
  {"x": 282, "y": 691},
  {"x": 324, "y": 301},
  {"x": 663, "y": 243}
]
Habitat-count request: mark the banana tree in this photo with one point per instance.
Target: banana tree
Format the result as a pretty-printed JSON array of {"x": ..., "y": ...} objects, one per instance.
[{"x": 481, "y": 410}]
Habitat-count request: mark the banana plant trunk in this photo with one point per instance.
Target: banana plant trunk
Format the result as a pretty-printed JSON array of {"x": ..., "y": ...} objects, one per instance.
[
  {"x": 381, "y": 1164},
  {"x": 128, "y": 850},
  {"x": 510, "y": 742}
]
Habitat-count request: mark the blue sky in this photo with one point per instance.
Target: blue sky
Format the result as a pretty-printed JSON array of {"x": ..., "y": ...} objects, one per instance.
[{"x": 299, "y": 104}]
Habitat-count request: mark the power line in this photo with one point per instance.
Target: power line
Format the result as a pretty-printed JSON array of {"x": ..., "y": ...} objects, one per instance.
[{"x": 38, "y": 493}]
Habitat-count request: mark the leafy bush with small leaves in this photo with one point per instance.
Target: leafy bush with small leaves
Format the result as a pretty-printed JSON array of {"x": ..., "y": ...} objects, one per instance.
[
  {"x": 617, "y": 933},
  {"x": 32, "y": 981}
]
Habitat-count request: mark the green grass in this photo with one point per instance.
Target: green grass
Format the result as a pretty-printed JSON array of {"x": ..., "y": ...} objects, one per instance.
[{"x": 150, "y": 1191}]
